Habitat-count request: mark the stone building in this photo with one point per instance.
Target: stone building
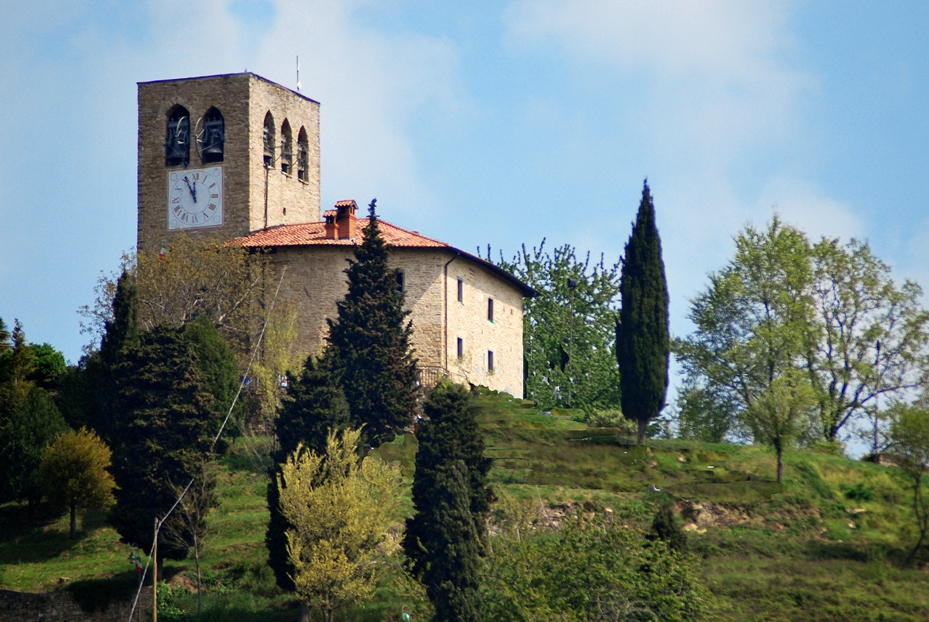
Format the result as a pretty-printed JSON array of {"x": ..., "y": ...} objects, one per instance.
[{"x": 238, "y": 156}]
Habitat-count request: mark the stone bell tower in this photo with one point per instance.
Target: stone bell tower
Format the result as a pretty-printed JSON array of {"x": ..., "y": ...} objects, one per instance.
[{"x": 224, "y": 156}]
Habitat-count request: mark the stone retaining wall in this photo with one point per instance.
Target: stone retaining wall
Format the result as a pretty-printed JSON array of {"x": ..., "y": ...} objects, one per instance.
[{"x": 61, "y": 606}]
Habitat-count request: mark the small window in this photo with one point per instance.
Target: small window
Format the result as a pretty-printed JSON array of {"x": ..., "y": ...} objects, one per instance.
[
  {"x": 460, "y": 291},
  {"x": 490, "y": 360},
  {"x": 287, "y": 149},
  {"x": 303, "y": 156},
  {"x": 268, "y": 141},
  {"x": 490, "y": 309},
  {"x": 177, "y": 143},
  {"x": 460, "y": 347},
  {"x": 211, "y": 137},
  {"x": 401, "y": 280}
]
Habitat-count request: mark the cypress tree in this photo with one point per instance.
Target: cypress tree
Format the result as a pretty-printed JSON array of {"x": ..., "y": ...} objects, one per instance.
[
  {"x": 370, "y": 342},
  {"x": 89, "y": 392},
  {"x": 163, "y": 434},
  {"x": 313, "y": 405},
  {"x": 451, "y": 499},
  {"x": 642, "y": 333}
]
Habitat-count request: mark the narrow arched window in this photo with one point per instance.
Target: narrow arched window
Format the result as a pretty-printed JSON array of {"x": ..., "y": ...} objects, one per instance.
[
  {"x": 177, "y": 143},
  {"x": 287, "y": 149},
  {"x": 269, "y": 140},
  {"x": 303, "y": 156},
  {"x": 211, "y": 137}
]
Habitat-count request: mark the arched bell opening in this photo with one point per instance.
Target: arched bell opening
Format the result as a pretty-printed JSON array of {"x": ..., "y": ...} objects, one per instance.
[
  {"x": 177, "y": 141},
  {"x": 303, "y": 156},
  {"x": 211, "y": 138},
  {"x": 269, "y": 140},
  {"x": 287, "y": 149}
]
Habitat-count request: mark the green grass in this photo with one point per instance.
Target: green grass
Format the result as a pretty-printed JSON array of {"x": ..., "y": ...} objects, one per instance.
[{"x": 827, "y": 544}]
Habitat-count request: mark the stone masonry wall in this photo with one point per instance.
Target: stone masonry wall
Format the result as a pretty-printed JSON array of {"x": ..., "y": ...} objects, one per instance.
[
  {"x": 468, "y": 320},
  {"x": 60, "y": 606},
  {"x": 243, "y": 99},
  {"x": 315, "y": 281}
]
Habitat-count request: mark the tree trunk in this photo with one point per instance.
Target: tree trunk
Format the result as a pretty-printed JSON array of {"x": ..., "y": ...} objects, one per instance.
[
  {"x": 73, "y": 520},
  {"x": 304, "y": 613},
  {"x": 922, "y": 521},
  {"x": 643, "y": 426},
  {"x": 199, "y": 580},
  {"x": 780, "y": 465}
]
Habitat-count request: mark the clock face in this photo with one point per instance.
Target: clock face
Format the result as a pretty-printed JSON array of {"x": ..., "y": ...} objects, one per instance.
[{"x": 195, "y": 198}]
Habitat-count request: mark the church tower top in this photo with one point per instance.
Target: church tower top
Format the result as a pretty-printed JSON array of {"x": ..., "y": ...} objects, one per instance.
[{"x": 224, "y": 155}]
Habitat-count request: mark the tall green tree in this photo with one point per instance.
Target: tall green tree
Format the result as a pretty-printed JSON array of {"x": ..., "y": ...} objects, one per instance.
[
  {"x": 871, "y": 341},
  {"x": 89, "y": 391},
  {"x": 642, "y": 333},
  {"x": 451, "y": 499},
  {"x": 17, "y": 365},
  {"x": 73, "y": 474},
  {"x": 830, "y": 310},
  {"x": 217, "y": 363},
  {"x": 568, "y": 329},
  {"x": 34, "y": 425},
  {"x": 370, "y": 342},
  {"x": 313, "y": 407},
  {"x": 754, "y": 321},
  {"x": 163, "y": 435}
]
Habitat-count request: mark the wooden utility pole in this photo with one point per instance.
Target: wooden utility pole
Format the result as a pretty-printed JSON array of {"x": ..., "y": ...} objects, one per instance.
[{"x": 155, "y": 575}]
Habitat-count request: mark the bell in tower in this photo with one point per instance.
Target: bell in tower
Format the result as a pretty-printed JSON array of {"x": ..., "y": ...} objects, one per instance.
[{"x": 211, "y": 137}]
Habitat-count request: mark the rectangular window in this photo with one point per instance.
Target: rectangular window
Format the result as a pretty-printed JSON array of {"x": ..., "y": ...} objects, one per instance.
[
  {"x": 460, "y": 291},
  {"x": 490, "y": 360},
  {"x": 490, "y": 309},
  {"x": 460, "y": 347},
  {"x": 401, "y": 282}
]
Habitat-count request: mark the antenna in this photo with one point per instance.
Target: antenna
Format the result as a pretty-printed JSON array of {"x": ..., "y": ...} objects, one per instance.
[{"x": 298, "y": 74}]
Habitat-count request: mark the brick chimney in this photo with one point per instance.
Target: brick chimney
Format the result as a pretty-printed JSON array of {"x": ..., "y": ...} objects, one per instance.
[
  {"x": 329, "y": 216},
  {"x": 345, "y": 222}
]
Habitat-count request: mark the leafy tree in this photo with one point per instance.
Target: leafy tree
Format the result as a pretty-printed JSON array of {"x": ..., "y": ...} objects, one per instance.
[
  {"x": 16, "y": 367},
  {"x": 910, "y": 433},
  {"x": 779, "y": 414},
  {"x": 340, "y": 509},
  {"x": 74, "y": 475},
  {"x": 228, "y": 284},
  {"x": 34, "y": 425},
  {"x": 163, "y": 435},
  {"x": 872, "y": 336},
  {"x": 830, "y": 310},
  {"x": 568, "y": 329},
  {"x": 370, "y": 342},
  {"x": 591, "y": 570},
  {"x": 48, "y": 366},
  {"x": 451, "y": 500},
  {"x": 754, "y": 321},
  {"x": 313, "y": 407},
  {"x": 642, "y": 333}
]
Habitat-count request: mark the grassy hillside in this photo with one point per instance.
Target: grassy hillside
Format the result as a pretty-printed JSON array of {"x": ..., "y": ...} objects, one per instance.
[{"x": 826, "y": 545}]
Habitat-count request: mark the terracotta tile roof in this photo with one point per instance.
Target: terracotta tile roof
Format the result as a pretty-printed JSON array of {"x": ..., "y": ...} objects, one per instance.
[
  {"x": 314, "y": 234},
  {"x": 346, "y": 203}
]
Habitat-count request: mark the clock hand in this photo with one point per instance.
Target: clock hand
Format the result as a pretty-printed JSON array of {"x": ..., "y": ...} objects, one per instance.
[{"x": 192, "y": 189}]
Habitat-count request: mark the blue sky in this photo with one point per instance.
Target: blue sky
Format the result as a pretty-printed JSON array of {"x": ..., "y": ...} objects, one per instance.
[{"x": 485, "y": 122}]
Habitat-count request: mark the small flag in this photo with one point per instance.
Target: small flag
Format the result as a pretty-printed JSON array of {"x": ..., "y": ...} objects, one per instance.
[{"x": 135, "y": 559}]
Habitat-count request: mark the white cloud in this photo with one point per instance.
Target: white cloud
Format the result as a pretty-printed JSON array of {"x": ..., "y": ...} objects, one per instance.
[{"x": 804, "y": 206}]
